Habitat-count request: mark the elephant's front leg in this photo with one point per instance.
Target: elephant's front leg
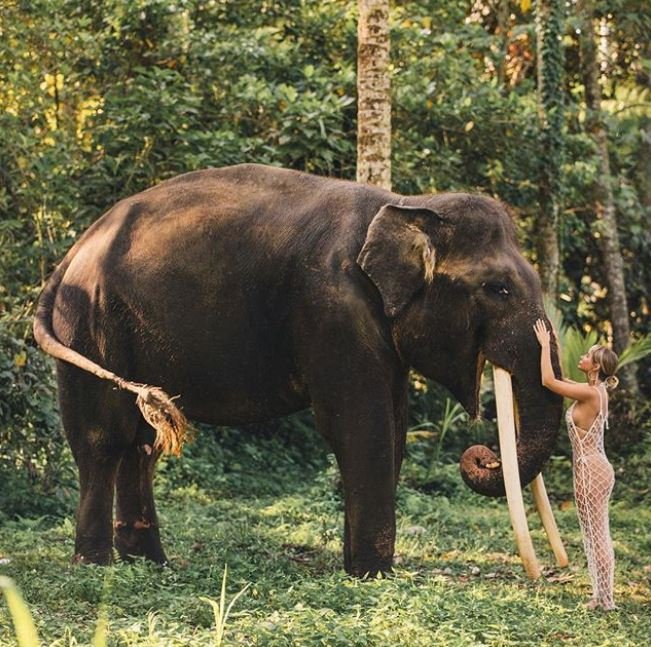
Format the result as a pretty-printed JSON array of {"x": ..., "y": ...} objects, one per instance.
[{"x": 361, "y": 430}]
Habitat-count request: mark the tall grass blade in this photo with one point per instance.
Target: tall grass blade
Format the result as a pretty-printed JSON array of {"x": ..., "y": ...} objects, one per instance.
[
  {"x": 553, "y": 314},
  {"x": 26, "y": 635},
  {"x": 454, "y": 414},
  {"x": 220, "y": 610},
  {"x": 100, "y": 636},
  {"x": 101, "y": 629},
  {"x": 574, "y": 344}
]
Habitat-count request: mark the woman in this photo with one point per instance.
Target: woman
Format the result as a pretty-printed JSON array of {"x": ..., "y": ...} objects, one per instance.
[{"x": 593, "y": 474}]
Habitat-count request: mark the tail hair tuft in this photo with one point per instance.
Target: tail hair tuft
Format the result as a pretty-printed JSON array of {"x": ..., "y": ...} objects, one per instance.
[{"x": 171, "y": 426}]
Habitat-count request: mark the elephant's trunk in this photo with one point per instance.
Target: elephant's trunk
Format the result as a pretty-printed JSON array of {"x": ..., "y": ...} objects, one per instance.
[{"x": 538, "y": 418}]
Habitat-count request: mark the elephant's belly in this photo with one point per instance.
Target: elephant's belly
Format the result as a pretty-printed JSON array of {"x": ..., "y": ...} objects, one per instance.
[
  {"x": 223, "y": 405},
  {"x": 226, "y": 385}
]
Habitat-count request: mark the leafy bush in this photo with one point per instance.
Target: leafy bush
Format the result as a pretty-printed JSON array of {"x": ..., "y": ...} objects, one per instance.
[
  {"x": 244, "y": 459},
  {"x": 36, "y": 471}
]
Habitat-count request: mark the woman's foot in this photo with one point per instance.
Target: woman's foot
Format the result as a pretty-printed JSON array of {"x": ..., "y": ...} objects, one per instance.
[{"x": 595, "y": 603}]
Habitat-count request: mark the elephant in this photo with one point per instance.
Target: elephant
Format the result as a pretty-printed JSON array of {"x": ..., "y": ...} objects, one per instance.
[{"x": 251, "y": 292}]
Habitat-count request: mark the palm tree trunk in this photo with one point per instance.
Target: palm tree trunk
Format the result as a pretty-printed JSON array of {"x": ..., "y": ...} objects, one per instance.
[
  {"x": 549, "y": 23},
  {"x": 606, "y": 219},
  {"x": 373, "y": 94},
  {"x": 503, "y": 13}
]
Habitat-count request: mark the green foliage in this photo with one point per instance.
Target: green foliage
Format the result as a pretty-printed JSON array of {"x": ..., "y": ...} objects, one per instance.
[
  {"x": 452, "y": 419},
  {"x": 252, "y": 459},
  {"x": 629, "y": 421},
  {"x": 454, "y": 128},
  {"x": 575, "y": 344},
  {"x": 36, "y": 475}
]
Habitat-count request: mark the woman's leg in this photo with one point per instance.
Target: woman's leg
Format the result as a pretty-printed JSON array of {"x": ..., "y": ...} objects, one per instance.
[
  {"x": 599, "y": 546},
  {"x": 581, "y": 496}
]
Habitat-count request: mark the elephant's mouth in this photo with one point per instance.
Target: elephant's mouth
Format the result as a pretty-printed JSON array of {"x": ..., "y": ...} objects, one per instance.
[
  {"x": 468, "y": 392},
  {"x": 477, "y": 459},
  {"x": 481, "y": 364}
]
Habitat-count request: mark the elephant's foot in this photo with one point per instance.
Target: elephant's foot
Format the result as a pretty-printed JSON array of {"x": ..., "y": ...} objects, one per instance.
[
  {"x": 370, "y": 557},
  {"x": 139, "y": 538},
  {"x": 369, "y": 570},
  {"x": 368, "y": 567},
  {"x": 93, "y": 550}
]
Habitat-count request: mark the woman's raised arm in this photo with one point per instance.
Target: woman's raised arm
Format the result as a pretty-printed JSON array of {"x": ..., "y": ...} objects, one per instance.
[{"x": 566, "y": 388}]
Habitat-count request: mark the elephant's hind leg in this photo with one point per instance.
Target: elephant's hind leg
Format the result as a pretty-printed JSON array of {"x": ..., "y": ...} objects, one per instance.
[
  {"x": 99, "y": 423},
  {"x": 136, "y": 524},
  {"x": 93, "y": 537}
]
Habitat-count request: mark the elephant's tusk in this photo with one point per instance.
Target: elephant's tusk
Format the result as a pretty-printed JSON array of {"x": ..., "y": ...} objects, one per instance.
[
  {"x": 545, "y": 510},
  {"x": 549, "y": 523},
  {"x": 506, "y": 428}
]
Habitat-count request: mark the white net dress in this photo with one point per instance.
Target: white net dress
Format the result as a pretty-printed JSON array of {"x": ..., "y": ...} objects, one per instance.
[{"x": 594, "y": 478}]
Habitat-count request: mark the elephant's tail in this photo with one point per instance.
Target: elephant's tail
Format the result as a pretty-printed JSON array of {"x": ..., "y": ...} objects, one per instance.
[{"x": 171, "y": 426}]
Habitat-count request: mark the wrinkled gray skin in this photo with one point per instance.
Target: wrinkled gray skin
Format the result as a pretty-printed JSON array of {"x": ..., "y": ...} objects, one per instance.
[{"x": 254, "y": 292}]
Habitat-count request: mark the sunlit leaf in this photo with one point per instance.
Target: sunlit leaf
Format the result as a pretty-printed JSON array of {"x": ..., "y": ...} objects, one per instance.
[{"x": 26, "y": 635}]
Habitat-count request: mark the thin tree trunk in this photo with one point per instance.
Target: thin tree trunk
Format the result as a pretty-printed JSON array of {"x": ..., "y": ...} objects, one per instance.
[
  {"x": 549, "y": 21},
  {"x": 606, "y": 220},
  {"x": 373, "y": 94},
  {"x": 503, "y": 13}
]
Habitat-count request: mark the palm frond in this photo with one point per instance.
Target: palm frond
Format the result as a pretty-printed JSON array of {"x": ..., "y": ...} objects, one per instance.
[
  {"x": 574, "y": 344},
  {"x": 635, "y": 351},
  {"x": 553, "y": 314}
]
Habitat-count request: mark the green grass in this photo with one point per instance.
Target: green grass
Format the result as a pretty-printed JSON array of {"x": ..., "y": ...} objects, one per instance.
[{"x": 276, "y": 520}]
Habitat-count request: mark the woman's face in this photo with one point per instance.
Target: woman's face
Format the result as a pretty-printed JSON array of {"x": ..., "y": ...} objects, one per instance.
[{"x": 585, "y": 363}]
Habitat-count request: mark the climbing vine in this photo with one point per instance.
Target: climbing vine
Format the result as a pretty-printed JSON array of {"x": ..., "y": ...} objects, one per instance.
[{"x": 549, "y": 26}]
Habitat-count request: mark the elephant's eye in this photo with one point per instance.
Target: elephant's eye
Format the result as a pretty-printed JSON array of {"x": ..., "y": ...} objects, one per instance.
[{"x": 496, "y": 287}]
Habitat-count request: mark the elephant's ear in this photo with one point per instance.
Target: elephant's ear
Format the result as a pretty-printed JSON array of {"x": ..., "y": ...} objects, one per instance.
[{"x": 398, "y": 256}]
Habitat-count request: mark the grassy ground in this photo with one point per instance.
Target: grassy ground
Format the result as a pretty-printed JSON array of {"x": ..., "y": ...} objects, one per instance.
[{"x": 272, "y": 513}]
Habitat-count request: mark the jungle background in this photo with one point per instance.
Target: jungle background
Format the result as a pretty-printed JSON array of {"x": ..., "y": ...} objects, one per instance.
[{"x": 101, "y": 100}]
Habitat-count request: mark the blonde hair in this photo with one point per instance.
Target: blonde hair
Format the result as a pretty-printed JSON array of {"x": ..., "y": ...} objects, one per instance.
[{"x": 607, "y": 361}]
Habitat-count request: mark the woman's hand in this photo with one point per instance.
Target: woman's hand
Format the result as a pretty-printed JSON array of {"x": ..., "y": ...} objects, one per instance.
[{"x": 542, "y": 334}]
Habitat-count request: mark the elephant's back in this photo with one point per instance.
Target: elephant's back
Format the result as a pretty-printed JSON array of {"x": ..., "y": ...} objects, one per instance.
[
  {"x": 247, "y": 221},
  {"x": 254, "y": 187}
]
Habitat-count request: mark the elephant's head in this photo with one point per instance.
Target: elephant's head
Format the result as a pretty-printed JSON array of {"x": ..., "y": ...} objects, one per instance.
[{"x": 458, "y": 292}]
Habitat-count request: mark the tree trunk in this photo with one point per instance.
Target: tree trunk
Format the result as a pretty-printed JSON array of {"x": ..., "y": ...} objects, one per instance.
[
  {"x": 605, "y": 225},
  {"x": 373, "y": 94},
  {"x": 549, "y": 21}
]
